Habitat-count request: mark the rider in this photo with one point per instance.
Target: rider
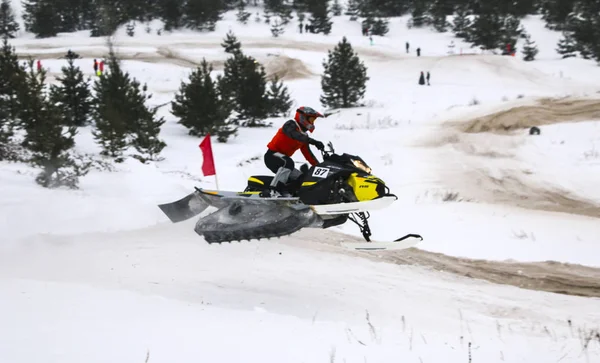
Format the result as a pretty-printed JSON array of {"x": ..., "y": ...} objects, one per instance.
[{"x": 288, "y": 139}]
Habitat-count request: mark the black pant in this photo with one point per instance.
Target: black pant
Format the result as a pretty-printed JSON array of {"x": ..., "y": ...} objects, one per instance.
[{"x": 275, "y": 160}]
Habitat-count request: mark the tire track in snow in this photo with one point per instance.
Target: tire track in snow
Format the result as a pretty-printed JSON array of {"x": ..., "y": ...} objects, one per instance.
[
  {"x": 550, "y": 276},
  {"x": 512, "y": 185}
]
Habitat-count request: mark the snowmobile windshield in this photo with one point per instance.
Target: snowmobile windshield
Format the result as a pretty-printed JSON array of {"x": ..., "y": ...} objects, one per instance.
[{"x": 357, "y": 162}]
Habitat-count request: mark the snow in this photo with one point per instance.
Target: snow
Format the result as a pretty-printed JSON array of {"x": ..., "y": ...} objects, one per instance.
[{"x": 100, "y": 275}]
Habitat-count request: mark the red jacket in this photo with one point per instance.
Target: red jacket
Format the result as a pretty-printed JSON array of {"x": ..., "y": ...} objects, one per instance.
[{"x": 289, "y": 138}]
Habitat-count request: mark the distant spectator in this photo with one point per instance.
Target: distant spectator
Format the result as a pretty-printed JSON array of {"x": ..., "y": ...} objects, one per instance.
[
  {"x": 428, "y": 76},
  {"x": 422, "y": 79},
  {"x": 371, "y": 39},
  {"x": 39, "y": 65},
  {"x": 96, "y": 67},
  {"x": 418, "y": 52},
  {"x": 300, "y": 27},
  {"x": 306, "y": 28},
  {"x": 407, "y": 47},
  {"x": 101, "y": 68}
]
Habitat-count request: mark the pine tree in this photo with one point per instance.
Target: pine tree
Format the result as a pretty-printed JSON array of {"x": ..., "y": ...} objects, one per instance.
[
  {"x": 319, "y": 18},
  {"x": 12, "y": 78},
  {"x": 277, "y": 27},
  {"x": 41, "y": 18},
  {"x": 105, "y": 19},
  {"x": 510, "y": 31},
  {"x": 146, "y": 125},
  {"x": 486, "y": 30},
  {"x": 566, "y": 45},
  {"x": 379, "y": 27},
  {"x": 439, "y": 11},
  {"x": 73, "y": 94},
  {"x": 344, "y": 79},
  {"x": 171, "y": 13},
  {"x": 277, "y": 8},
  {"x": 279, "y": 98},
  {"x": 418, "y": 17},
  {"x": 336, "y": 8},
  {"x": 199, "y": 106},
  {"x": 243, "y": 86},
  {"x": 46, "y": 136},
  {"x": 461, "y": 23},
  {"x": 8, "y": 25},
  {"x": 530, "y": 50},
  {"x": 130, "y": 29},
  {"x": 111, "y": 110},
  {"x": 584, "y": 25},
  {"x": 242, "y": 15},
  {"x": 231, "y": 44},
  {"x": 352, "y": 9},
  {"x": 202, "y": 14},
  {"x": 556, "y": 13}
]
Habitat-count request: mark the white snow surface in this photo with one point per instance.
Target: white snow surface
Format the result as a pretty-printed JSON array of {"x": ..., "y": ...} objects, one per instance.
[{"x": 100, "y": 275}]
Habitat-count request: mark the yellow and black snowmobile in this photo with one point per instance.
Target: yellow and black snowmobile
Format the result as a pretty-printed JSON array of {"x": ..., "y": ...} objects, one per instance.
[{"x": 339, "y": 189}]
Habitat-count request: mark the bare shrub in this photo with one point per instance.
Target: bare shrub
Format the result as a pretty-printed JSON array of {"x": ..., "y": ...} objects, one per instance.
[{"x": 474, "y": 102}]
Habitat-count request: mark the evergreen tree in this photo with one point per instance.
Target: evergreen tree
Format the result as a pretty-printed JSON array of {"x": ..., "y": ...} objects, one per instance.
[
  {"x": 146, "y": 125},
  {"x": 440, "y": 9},
  {"x": 72, "y": 94},
  {"x": 530, "y": 50},
  {"x": 566, "y": 45},
  {"x": 418, "y": 16},
  {"x": 344, "y": 79},
  {"x": 278, "y": 8},
  {"x": 584, "y": 25},
  {"x": 231, "y": 44},
  {"x": 105, "y": 18},
  {"x": 319, "y": 18},
  {"x": 556, "y": 13},
  {"x": 279, "y": 98},
  {"x": 41, "y": 18},
  {"x": 111, "y": 110},
  {"x": 171, "y": 13},
  {"x": 461, "y": 23},
  {"x": 243, "y": 87},
  {"x": 277, "y": 27},
  {"x": 202, "y": 14},
  {"x": 199, "y": 106},
  {"x": 352, "y": 9},
  {"x": 130, "y": 29},
  {"x": 336, "y": 8},
  {"x": 379, "y": 27},
  {"x": 242, "y": 15},
  {"x": 8, "y": 25},
  {"x": 511, "y": 30},
  {"x": 12, "y": 78},
  {"x": 486, "y": 30},
  {"x": 46, "y": 136}
]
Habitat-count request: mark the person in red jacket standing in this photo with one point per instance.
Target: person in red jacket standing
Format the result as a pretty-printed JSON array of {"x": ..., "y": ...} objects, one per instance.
[{"x": 288, "y": 139}]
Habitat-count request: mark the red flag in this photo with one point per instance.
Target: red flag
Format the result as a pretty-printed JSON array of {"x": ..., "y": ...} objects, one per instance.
[{"x": 208, "y": 164}]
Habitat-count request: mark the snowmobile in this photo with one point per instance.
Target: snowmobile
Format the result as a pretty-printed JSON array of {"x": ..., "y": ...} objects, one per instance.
[{"x": 340, "y": 188}]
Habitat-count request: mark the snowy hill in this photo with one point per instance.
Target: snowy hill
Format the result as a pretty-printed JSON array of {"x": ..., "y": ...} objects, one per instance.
[{"x": 99, "y": 274}]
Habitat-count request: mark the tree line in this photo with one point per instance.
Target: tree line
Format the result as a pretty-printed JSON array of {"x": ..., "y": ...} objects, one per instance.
[
  {"x": 486, "y": 24},
  {"x": 39, "y": 121}
]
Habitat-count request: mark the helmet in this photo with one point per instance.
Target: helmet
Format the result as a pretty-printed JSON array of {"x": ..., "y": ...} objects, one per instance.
[{"x": 306, "y": 116}]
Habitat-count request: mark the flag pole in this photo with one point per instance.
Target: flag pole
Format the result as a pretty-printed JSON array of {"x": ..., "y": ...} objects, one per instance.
[{"x": 216, "y": 179}]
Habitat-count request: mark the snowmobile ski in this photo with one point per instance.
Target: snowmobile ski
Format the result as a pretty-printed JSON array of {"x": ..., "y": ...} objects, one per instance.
[{"x": 408, "y": 241}]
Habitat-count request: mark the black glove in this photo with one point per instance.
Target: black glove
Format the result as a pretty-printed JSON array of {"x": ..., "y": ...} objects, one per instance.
[{"x": 318, "y": 144}]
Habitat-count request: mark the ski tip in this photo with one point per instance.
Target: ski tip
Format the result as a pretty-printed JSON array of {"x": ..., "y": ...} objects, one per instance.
[{"x": 408, "y": 241}]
